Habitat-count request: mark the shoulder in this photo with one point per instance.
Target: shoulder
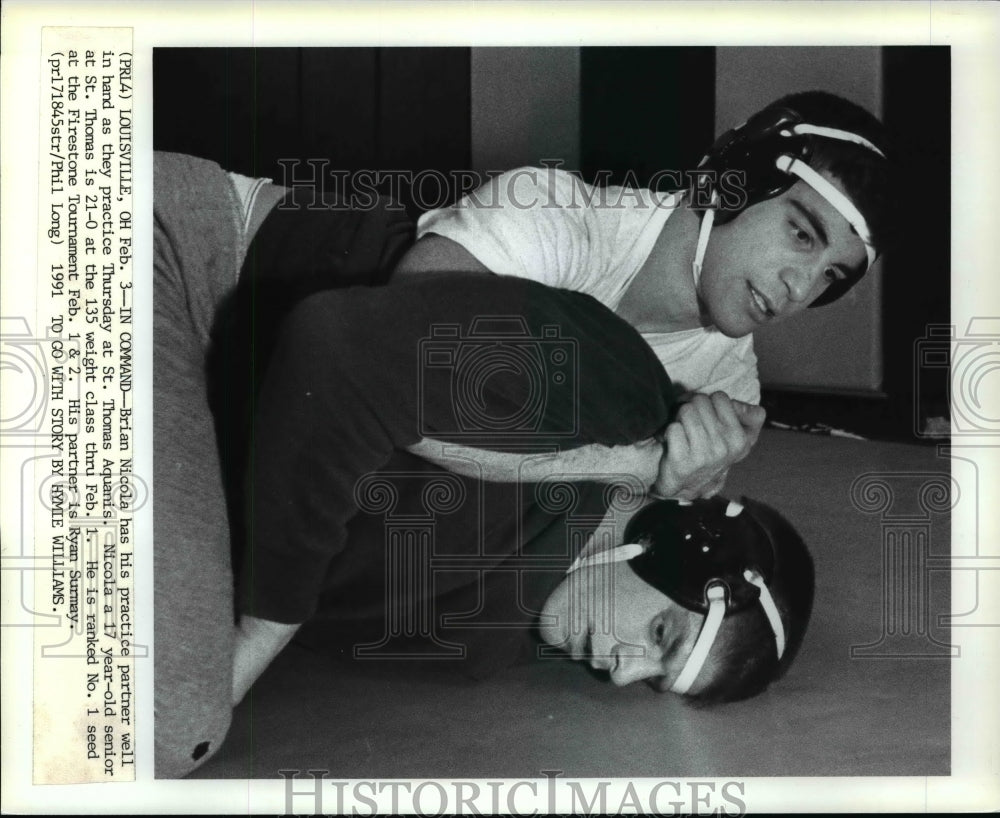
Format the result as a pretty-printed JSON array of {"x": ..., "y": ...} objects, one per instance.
[{"x": 527, "y": 222}]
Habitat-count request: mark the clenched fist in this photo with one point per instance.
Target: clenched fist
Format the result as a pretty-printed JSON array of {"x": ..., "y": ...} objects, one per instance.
[{"x": 711, "y": 433}]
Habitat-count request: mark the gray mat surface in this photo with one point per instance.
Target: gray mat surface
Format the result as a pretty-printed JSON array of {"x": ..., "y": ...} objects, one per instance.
[{"x": 884, "y": 711}]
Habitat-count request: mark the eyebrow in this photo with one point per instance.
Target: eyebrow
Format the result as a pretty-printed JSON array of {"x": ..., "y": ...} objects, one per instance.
[
  {"x": 817, "y": 225},
  {"x": 814, "y": 221}
]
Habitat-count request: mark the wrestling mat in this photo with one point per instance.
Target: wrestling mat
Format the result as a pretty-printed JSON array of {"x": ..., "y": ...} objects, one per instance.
[{"x": 868, "y": 695}]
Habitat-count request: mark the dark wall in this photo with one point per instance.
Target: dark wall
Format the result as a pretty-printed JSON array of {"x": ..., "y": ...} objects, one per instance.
[
  {"x": 359, "y": 108},
  {"x": 642, "y": 109},
  {"x": 917, "y": 281},
  {"x": 645, "y": 109}
]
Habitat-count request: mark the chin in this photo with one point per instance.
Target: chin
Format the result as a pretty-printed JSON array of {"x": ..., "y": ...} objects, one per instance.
[
  {"x": 727, "y": 318},
  {"x": 554, "y": 632},
  {"x": 552, "y": 635},
  {"x": 742, "y": 332},
  {"x": 733, "y": 328}
]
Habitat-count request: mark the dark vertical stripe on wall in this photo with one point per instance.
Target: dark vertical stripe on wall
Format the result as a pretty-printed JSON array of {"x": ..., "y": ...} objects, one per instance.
[
  {"x": 278, "y": 110},
  {"x": 203, "y": 104},
  {"x": 917, "y": 280},
  {"x": 424, "y": 120},
  {"x": 374, "y": 109},
  {"x": 645, "y": 109}
]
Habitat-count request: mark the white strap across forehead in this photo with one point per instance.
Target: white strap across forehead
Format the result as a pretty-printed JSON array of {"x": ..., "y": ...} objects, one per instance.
[
  {"x": 789, "y": 164},
  {"x": 770, "y": 609},
  {"x": 618, "y": 554},
  {"x": 838, "y": 200},
  {"x": 835, "y": 133},
  {"x": 713, "y": 621}
]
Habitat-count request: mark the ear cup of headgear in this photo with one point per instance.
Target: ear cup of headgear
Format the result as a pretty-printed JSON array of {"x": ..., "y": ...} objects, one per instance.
[
  {"x": 689, "y": 548},
  {"x": 751, "y": 150}
]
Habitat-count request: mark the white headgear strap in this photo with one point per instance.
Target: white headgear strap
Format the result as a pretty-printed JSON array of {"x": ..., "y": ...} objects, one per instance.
[
  {"x": 789, "y": 164},
  {"x": 838, "y": 200},
  {"x": 617, "y": 554},
  {"x": 707, "y": 220},
  {"x": 713, "y": 620},
  {"x": 834, "y": 133},
  {"x": 770, "y": 609}
]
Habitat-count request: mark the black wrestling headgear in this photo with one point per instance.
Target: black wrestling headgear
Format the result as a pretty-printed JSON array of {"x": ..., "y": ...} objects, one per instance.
[
  {"x": 689, "y": 548},
  {"x": 715, "y": 557},
  {"x": 773, "y": 149}
]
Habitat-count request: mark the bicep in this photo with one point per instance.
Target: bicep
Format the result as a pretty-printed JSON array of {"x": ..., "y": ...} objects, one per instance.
[{"x": 434, "y": 253}]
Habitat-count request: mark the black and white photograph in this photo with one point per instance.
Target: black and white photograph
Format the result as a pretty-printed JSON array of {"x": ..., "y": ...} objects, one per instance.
[{"x": 427, "y": 317}]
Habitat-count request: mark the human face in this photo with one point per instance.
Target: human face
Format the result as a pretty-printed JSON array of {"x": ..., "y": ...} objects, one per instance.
[
  {"x": 775, "y": 258},
  {"x": 607, "y": 616}
]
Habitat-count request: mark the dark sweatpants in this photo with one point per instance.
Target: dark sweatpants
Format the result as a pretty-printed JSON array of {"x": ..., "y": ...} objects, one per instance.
[{"x": 359, "y": 374}]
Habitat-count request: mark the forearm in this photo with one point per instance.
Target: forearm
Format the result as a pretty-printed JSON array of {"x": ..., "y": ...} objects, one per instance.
[
  {"x": 258, "y": 642},
  {"x": 591, "y": 462}
]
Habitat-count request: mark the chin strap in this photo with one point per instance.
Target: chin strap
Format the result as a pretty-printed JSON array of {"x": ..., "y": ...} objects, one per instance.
[
  {"x": 770, "y": 609},
  {"x": 707, "y": 220}
]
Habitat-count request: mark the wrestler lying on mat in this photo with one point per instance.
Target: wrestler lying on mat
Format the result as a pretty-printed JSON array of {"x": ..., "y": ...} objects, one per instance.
[{"x": 363, "y": 378}]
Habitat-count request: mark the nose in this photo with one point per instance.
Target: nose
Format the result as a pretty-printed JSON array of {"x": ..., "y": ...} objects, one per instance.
[
  {"x": 799, "y": 281},
  {"x": 633, "y": 663}
]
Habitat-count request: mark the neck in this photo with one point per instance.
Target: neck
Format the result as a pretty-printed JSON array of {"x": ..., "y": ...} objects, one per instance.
[{"x": 662, "y": 297}]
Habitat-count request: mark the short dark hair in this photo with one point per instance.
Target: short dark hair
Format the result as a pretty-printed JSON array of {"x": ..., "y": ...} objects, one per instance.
[
  {"x": 743, "y": 661},
  {"x": 864, "y": 174}
]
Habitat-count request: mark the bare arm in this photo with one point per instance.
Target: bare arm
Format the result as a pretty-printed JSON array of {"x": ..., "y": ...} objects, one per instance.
[
  {"x": 590, "y": 462},
  {"x": 710, "y": 434}
]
